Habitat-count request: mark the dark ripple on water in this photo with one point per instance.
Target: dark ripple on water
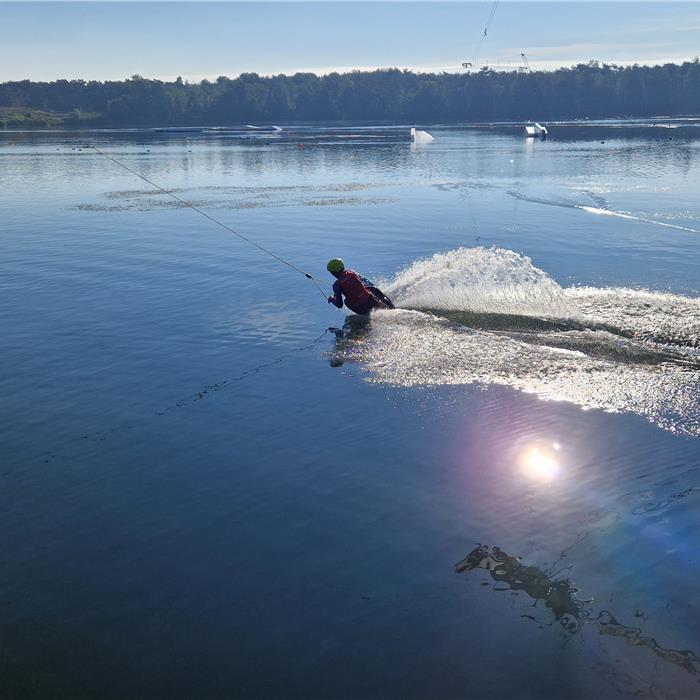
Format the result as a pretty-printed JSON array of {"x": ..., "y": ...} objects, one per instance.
[
  {"x": 251, "y": 204},
  {"x": 243, "y": 198},
  {"x": 263, "y": 190}
]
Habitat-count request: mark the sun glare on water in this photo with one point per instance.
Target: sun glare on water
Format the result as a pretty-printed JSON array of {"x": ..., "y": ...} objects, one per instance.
[{"x": 540, "y": 464}]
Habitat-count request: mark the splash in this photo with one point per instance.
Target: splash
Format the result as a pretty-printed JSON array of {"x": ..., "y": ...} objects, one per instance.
[
  {"x": 488, "y": 280},
  {"x": 499, "y": 289},
  {"x": 510, "y": 324}
]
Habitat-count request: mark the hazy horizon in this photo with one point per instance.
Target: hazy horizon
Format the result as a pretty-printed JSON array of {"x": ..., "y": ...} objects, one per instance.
[{"x": 164, "y": 40}]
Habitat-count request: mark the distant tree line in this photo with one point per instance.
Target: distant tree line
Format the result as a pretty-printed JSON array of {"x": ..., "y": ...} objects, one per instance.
[{"x": 594, "y": 90}]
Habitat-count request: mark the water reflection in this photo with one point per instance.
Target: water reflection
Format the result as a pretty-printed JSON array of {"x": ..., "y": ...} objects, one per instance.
[
  {"x": 540, "y": 463},
  {"x": 559, "y": 596},
  {"x": 355, "y": 329}
]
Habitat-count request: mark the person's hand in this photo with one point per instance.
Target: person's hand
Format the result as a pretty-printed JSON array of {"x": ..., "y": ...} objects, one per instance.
[{"x": 330, "y": 299}]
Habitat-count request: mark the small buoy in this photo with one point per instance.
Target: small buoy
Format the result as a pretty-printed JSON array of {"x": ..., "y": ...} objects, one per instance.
[{"x": 301, "y": 145}]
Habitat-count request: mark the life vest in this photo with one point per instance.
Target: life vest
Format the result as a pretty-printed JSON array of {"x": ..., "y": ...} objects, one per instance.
[{"x": 357, "y": 297}]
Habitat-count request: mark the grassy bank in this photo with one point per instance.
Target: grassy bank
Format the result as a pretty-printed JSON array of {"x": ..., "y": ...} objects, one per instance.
[{"x": 26, "y": 118}]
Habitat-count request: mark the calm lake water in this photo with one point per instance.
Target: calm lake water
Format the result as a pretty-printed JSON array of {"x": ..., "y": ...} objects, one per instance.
[{"x": 490, "y": 493}]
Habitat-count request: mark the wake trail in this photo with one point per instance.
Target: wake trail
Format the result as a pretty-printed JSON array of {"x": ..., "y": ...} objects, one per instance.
[
  {"x": 490, "y": 316},
  {"x": 623, "y": 215},
  {"x": 598, "y": 211}
]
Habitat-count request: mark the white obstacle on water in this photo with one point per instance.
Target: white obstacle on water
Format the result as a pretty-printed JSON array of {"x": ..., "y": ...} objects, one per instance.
[
  {"x": 536, "y": 131},
  {"x": 419, "y": 136}
]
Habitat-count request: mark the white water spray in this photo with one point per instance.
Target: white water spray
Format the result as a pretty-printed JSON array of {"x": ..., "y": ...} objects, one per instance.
[
  {"x": 482, "y": 280},
  {"x": 613, "y": 349}
]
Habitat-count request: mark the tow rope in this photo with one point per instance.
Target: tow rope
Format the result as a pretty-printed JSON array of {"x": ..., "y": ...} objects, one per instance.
[{"x": 212, "y": 219}]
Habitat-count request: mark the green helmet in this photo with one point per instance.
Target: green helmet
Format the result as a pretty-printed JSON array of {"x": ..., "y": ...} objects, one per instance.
[{"x": 335, "y": 265}]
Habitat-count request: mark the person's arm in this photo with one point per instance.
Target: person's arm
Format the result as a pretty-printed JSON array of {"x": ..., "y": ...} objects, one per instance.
[{"x": 337, "y": 297}]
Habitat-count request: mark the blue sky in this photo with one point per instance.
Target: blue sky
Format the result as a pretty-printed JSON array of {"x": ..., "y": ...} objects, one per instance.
[{"x": 113, "y": 40}]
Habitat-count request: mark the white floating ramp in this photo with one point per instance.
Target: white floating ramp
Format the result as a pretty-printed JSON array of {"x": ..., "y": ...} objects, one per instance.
[
  {"x": 536, "y": 131},
  {"x": 420, "y": 136}
]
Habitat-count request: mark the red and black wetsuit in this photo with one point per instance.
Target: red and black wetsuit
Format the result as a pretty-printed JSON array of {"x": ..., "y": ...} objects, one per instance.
[{"x": 358, "y": 298}]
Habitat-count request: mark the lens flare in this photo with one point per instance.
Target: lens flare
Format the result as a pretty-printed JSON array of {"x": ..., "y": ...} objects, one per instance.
[{"x": 539, "y": 464}]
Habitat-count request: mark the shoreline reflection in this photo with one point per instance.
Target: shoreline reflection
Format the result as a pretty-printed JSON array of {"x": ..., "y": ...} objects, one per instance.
[{"x": 559, "y": 596}]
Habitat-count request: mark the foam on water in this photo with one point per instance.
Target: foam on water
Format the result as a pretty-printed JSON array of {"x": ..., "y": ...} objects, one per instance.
[
  {"x": 659, "y": 317},
  {"x": 613, "y": 349}
]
